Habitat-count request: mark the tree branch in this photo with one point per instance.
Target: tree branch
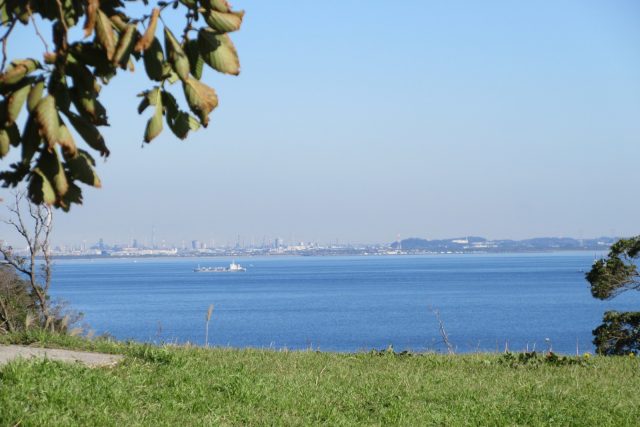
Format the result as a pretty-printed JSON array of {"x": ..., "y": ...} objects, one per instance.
[
  {"x": 4, "y": 41},
  {"x": 44, "y": 42}
]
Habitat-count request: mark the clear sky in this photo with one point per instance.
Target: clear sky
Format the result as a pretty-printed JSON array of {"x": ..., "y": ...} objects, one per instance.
[{"x": 359, "y": 121}]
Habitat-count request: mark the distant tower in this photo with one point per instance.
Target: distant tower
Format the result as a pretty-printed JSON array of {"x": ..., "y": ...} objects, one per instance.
[{"x": 398, "y": 242}]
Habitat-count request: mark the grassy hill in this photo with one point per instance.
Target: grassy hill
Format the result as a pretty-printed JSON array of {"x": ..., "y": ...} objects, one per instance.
[{"x": 169, "y": 385}]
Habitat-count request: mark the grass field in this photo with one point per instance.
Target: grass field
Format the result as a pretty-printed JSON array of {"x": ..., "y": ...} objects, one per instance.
[{"x": 195, "y": 386}]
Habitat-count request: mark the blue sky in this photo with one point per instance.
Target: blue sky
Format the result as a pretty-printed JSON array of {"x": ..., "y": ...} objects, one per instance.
[{"x": 360, "y": 120}]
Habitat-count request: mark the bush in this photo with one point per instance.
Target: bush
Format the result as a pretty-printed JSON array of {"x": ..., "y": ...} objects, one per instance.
[
  {"x": 618, "y": 334},
  {"x": 17, "y": 308}
]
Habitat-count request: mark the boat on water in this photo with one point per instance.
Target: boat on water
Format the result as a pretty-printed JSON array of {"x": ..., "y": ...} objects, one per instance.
[{"x": 233, "y": 268}]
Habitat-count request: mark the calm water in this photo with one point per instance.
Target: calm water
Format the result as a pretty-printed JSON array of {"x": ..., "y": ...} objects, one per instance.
[{"x": 344, "y": 304}]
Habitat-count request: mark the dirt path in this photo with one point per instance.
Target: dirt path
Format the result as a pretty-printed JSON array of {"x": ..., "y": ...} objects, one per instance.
[{"x": 11, "y": 352}]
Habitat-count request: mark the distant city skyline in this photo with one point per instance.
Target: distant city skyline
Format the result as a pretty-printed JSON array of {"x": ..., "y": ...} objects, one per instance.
[
  {"x": 496, "y": 118},
  {"x": 195, "y": 243}
]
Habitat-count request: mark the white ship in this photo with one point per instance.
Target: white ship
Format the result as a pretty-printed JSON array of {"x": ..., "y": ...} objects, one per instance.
[{"x": 233, "y": 268}]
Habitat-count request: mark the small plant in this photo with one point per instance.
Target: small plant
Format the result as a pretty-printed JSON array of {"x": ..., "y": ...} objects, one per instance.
[
  {"x": 152, "y": 353},
  {"x": 531, "y": 358},
  {"x": 389, "y": 351},
  {"x": 206, "y": 327},
  {"x": 442, "y": 330}
]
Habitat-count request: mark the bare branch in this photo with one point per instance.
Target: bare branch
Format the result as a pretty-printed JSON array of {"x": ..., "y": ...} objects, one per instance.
[
  {"x": 443, "y": 332},
  {"x": 5, "y": 40},
  {"x": 39, "y": 34},
  {"x": 41, "y": 225},
  {"x": 14, "y": 261},
  {"x": 61, "y": 18}
]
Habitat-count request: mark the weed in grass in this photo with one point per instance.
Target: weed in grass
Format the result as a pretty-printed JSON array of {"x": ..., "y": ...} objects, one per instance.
[
  {"x": 532, "y": 358},
  {"x": 153, "y": 354}
]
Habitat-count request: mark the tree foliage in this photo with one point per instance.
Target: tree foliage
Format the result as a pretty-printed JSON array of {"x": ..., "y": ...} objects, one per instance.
[
  {"x": 617, "y": 273},
  {"x": 61, "y": 92},
  {"x": 619, "y": 334}
]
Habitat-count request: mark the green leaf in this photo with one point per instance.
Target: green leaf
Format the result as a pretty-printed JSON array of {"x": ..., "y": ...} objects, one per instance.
[
  {"x": 49, "y": 164},
  {"x": 89, "y": 133},
  {"x": 191, "y": 4},
  {"x": 5, "y": 142},
  {"x": 219, "y": 52},
  {"x": 179, "y": 122},
  {"x": 201, "y": 99},
  {"x": 15, "y": 176},
  {"x": 40, "y": 189},
  {"x": 177, "y": 58},
  {"x": 105, "y": 34},
  {"x": 4, "y": 14},
  {"x": 143, "y": 105},
  {"x": 59, "y": 90},
  {"x": 15, "y": 103},
  {"x": 92, "y": 54},
  {"x": 154, "y": 63},
  {"x": 223, "y": 22},
  {"x": 89, "y": 107},
  {"x": 73, "y": 195},
  {"x": 35, "y": 95},
  {"x": 119, "y": 21},
  {"x": 170, "y": 103},
  {"x": 17, "y": 71},
  {"x": 149, "y": 97},
  {"x": 154, "y": 125},
  {"x": 46, "y": 117},
  {"x": 172, "y": 77},
  {"x": 9, "y": 136},
  {"x": 31, "y": 139},
  {"x": 219, "y": 5},
  {"x": 125, "y": 46},
  {"x": 81, "y": 168},
  {"x": 182, "y": 123},
  {"x": 82, "y": 76},
  {"x": 196, "y": 61},
  {"x": 65, "y": 139}
]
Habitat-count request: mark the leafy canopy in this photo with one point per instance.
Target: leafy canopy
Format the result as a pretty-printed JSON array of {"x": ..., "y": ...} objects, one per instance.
[
  {"x": 61, "y": 93},
  {"x": 618, "y": 272},
  {"x": 619, "y": 333}
]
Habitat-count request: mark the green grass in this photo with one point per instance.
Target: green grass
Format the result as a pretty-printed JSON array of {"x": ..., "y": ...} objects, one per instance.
[{"x": 195, "y": 386}]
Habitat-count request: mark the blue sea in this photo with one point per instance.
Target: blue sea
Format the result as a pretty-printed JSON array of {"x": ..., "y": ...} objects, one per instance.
[{"x": 485, "y": 302}]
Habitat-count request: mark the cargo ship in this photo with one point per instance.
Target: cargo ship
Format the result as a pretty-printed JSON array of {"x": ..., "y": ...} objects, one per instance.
[{"x": 233, "y": 268}]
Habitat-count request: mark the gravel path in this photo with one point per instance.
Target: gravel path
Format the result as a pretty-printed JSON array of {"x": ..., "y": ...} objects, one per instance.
[{"x": 11, "y": 352}]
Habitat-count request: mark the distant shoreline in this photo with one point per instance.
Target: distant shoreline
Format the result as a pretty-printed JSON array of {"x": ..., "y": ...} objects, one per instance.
[{"x": 268, "y": 255}]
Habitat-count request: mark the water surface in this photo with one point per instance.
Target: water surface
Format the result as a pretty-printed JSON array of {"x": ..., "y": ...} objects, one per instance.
[{"x": 345, "y": 303}]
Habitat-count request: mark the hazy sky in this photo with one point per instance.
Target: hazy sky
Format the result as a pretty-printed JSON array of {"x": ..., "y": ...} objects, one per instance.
[{"x": 357, "y": 121}]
